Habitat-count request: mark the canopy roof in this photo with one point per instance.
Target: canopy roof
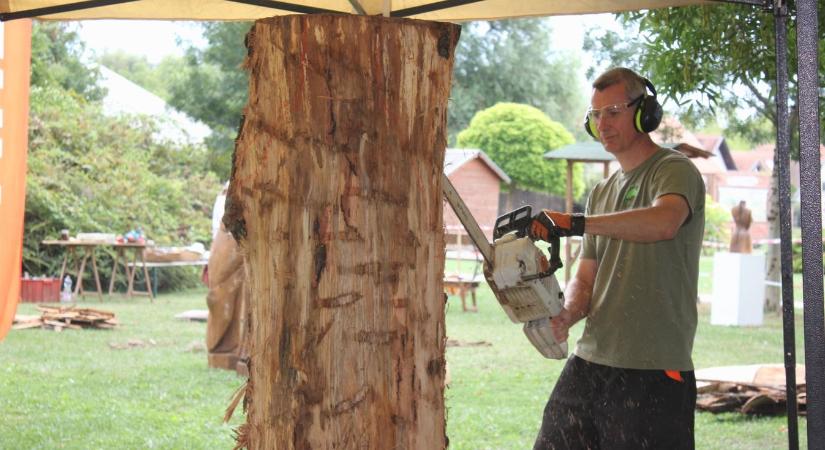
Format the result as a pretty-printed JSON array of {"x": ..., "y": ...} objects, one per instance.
[
  {"x": 444, "y": 10},
  {"x": 592, "y": 151},
  {"x": 582, "y": 152}
]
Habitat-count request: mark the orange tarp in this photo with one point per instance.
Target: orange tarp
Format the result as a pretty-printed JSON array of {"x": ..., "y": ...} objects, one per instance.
[{"x": 14, "y": 102}]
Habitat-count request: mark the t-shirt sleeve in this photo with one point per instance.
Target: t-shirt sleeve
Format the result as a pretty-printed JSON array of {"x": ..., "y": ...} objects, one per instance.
[
  {"x": 679, "y": 176},
  {"x": 588, "y": 240}
]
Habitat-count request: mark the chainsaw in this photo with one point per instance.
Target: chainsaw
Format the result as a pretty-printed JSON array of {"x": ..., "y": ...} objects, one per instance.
[{"x": 517, "y": 271}]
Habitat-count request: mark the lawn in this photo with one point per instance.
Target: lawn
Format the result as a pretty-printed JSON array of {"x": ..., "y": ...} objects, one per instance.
[{"x": 73, "y": 390}]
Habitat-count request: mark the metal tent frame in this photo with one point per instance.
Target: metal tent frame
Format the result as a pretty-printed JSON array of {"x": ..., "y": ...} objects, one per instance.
[{"x": 810, "y": 184}]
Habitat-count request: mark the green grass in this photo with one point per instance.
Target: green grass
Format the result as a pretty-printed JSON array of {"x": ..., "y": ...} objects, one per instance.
[
  {"x": 71, "y": 390},
  {"x": 497, "y": 393}
]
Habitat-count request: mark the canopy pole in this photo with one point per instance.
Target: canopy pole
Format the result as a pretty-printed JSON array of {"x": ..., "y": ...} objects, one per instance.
[
  {"x": 783, "y": 146},
  {"x": 811, "y": 195},
  {"x": 287, "y": 6},
  {"x": 357, "y": 7},
  {"x": 29, "y": 13},
  {"x": 568, "y": 207}
]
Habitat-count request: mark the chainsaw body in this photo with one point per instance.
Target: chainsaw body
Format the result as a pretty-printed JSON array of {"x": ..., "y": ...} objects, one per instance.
[
  {"x": 524, "y": 297},
  {"x": 519, "y": 275}
]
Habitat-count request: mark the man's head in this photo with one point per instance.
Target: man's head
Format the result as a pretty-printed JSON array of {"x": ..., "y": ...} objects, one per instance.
[
  {"x": 620, "y": 108},
  {"x": 634, "y": 84}
]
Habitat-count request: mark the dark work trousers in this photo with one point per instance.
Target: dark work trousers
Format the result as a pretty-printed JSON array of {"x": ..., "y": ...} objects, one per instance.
[{"x": 607, "y": 408}]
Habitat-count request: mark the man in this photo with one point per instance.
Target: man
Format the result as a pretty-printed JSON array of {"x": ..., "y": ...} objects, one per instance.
[{"x": 630, "y": 382}]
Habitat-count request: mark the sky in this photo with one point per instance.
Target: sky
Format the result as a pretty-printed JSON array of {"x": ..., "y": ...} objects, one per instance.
[
  {"x": 156, "y": 39},
  {"x": 152, "y": 38}
]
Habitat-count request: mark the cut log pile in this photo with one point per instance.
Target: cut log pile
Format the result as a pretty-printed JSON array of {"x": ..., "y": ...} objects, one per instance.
[
  {"x": 58, "y": 318},
  {"x": 755, "y": 389}
]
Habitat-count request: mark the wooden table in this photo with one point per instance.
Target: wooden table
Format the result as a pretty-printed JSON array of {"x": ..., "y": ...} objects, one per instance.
[
  {"x": 461, "y": 285},
  {"x": 154, "y": 265},
  {"x": 88, "y": 251},
  {"x": 121, "y": 259}
]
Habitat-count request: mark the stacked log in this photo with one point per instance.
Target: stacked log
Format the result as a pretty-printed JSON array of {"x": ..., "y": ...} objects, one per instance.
[{"x": 58, "y": 318}]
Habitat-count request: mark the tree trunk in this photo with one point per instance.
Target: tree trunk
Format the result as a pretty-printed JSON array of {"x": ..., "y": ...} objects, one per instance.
[
  {"x": 335, "y": 199},
  {"x": 772, "y": 261}
]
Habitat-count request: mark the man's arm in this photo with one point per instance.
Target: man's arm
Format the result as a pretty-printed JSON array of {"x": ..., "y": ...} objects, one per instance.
[
  {"x": 577, "y": 298},
  {"x": 659, "y": 222}
]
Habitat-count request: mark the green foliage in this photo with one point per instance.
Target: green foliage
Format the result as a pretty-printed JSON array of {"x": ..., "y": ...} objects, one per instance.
[
  {"x": 92, "y": 173},
  {"x": 495, "y": 61},
  {"x": 154, "y": 78},
  {"x": 516, "y": 137},
  {"x": 710, "y": 59},
  {"x": 56, "y": 61},
  {"x": 213, "y": 88},
  {"x": 717, "y": 222},
  {"x": 513, "y": 61}
]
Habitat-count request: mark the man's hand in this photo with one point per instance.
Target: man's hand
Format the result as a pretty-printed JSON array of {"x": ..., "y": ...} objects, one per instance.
[
  {"x": 549, "y": 224},
  {"x": 560, "y": 325}
]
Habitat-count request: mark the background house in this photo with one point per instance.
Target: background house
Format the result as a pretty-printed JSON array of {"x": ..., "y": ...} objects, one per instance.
[
  {"x": 478, "y": 180},
  {"x": 126, "y": 97}
]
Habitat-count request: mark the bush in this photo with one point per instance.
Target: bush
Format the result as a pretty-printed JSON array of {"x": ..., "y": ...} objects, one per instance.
[
  {"x": 516, "y": 137},
  {"x": 796, "y": 249},
  {"x": 717, "y": 222},
  {"x": 92, "y": 173}
]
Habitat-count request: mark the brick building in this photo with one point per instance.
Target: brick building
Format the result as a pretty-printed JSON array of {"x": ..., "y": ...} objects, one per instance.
[{"x": 478, "y": 180}]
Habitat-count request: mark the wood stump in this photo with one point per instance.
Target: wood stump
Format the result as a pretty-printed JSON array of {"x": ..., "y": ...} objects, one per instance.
[{"x": 335, "y": 200}]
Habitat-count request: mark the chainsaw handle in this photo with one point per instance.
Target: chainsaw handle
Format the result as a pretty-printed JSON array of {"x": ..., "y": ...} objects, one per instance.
[
  {"x": 553, "y": 251},
  {"x": 554, "y": 260}
]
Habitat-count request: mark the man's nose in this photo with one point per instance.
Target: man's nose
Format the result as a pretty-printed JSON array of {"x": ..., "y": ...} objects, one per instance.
[{"x": 601, "y": 124}]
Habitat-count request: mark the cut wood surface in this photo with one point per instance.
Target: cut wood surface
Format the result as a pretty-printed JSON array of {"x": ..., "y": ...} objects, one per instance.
[{"x": 335, "y": 200}]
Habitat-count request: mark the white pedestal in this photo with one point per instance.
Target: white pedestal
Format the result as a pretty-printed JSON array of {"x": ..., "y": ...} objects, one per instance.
[{"x": 738, "y": 289}]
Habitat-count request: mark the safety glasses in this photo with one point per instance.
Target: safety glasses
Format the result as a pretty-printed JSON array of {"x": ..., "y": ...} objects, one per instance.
[{"x": 611, "y": 111}]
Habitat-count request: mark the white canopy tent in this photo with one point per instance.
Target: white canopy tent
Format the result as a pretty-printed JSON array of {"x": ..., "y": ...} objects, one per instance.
[
  {"x": 464, "y": 10},
  {"x": 445, "y": 10}
]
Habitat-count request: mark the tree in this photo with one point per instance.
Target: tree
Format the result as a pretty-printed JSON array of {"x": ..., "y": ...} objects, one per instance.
[
  {"x": 516, "y": 137},
  {"x": 90, "y": 172},
  {"x": 513, "y": 61},
  {"x": 496, "y": 61},
  {"x": 155, "y": 78},
  {"x": 212, "y": 87},
  {"x": 336, "y": 204},
  {"x": 695, "y": 57},
  {"x": 57, "y": 60},
  {"x": 712, "y": 59}
]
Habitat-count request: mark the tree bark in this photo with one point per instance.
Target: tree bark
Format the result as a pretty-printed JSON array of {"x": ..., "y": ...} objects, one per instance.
[
  {"x": 773, "y": 263},
  {"x": 335, "y": 200}
]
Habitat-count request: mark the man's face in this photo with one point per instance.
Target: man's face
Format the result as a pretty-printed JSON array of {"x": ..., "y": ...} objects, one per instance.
[{"x": 616, "y": 130}]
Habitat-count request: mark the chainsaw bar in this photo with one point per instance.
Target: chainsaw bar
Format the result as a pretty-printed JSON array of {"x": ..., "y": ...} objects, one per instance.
[{"x": 466, "y": 218}]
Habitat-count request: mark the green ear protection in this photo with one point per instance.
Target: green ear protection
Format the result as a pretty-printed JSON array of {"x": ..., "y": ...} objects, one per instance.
[{"x": 646, "y": 118}]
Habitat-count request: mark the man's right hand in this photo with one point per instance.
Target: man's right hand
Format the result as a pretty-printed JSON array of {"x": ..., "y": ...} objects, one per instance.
[
  {"x": 548, "y": 224},
  {"x": 560, "y": 325}
]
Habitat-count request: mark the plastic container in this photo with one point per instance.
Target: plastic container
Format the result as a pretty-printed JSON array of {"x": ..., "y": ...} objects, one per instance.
[{"x": 39, "y": 290}]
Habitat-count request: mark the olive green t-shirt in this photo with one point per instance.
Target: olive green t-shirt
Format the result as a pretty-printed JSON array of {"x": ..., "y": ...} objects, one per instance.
[{"x": 643, "y": 311}]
